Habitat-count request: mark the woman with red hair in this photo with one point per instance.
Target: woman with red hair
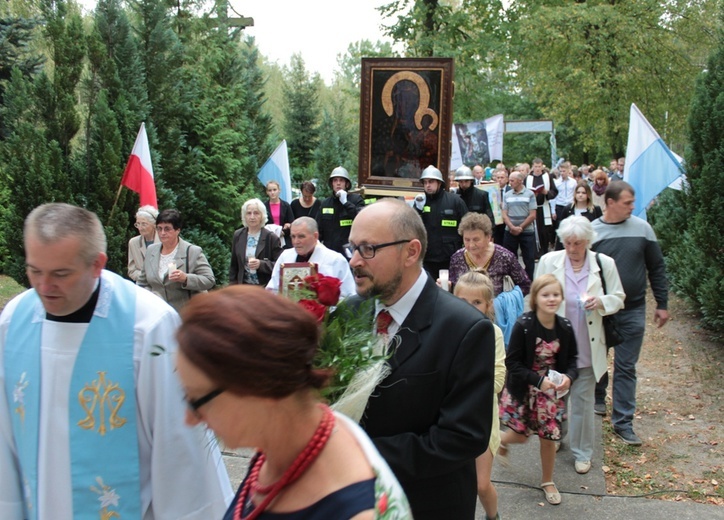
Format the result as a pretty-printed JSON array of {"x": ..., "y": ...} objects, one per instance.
[{"x": 246, "y": 365}]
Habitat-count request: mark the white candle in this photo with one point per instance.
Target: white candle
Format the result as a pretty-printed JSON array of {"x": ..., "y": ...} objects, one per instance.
[{"x": 444, "y": 279}]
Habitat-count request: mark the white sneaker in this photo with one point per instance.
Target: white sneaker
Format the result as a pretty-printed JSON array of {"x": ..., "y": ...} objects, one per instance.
[{"x": 583, "y": 467}]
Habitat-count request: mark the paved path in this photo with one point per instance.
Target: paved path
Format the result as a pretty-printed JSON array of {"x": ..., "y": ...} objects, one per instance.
[{"x": 584, "y": 496}]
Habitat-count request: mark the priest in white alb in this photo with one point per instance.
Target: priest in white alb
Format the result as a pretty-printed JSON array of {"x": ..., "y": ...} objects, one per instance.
[{"x": 91, "y": 411}]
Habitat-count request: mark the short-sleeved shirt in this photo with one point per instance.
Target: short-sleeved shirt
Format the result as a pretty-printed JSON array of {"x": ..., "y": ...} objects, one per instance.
[{"x": 519, "y": 205}]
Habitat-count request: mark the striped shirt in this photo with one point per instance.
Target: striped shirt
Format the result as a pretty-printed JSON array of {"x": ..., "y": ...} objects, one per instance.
[{"x": 519, "y": 205}]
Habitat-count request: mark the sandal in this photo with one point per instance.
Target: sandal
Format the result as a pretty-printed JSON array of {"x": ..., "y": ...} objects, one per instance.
[
  {"x": 553, "y": 498},
  {"x": 502, "y": 455}
]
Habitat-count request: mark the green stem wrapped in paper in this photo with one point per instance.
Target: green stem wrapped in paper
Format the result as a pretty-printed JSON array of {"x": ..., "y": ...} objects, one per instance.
[{"x": 347, "y": 344}]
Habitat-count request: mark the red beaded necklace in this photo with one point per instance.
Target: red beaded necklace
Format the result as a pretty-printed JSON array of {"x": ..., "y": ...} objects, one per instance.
[{"x": 305, "y": 459}]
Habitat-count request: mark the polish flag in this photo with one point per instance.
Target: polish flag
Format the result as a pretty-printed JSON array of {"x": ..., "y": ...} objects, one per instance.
[{"x": 138, "y": 175}]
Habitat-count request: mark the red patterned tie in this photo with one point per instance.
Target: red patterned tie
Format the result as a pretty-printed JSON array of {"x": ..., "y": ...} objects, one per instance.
[{"x": 384, "y": 318}]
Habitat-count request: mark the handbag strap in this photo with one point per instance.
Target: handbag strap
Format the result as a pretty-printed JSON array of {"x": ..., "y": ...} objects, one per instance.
[{"x": 600, "y": 273}]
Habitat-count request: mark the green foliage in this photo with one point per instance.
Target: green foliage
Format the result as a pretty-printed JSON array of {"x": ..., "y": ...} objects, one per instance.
[
  {"x": 32, "y": 170},
  {"x": 70, "y": 130},
  {"x": 260, "y": 126},
  {"x": 57, "y": 97},
  {"x": 349, "y": 65},
  {"x": 586, "y": 62},
  {"x": 347, "y": 345},
  {"x": 691, "y": 233},
  {"x": 581, "y": 63},
  {"x": 301, "y": 115},
  {"x": 15, "y": 35},
  {"x": 216, "y": 249}
]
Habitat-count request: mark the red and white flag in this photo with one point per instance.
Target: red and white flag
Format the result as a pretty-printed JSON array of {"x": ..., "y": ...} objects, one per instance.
[{"x": 138, "y": 175}]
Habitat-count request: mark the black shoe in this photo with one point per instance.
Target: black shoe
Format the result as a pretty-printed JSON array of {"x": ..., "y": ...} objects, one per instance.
[
  {"x": 628, "y": 436},
  {"x": 600, "y": 409}
]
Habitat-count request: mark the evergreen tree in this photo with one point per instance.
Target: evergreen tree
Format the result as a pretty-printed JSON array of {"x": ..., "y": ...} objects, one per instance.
[
  {"x": 116, "y": 104},
  {"x": 41, "y": 119},
  {"x": 162, "y": 54},
  {"x": 274, "y": 92},
  {"x": 32, "y": 172},
  {"x": 301, "y": 117},
  {"x": 330, "y": 153},
  {"x": 57, "y": 93},
  {"x": 117, "y": 67},
  {"x": 260, "y": 122},
  {"x": 15, "y": 34},
  {"x": 104, "y": 156},
  {"x": 687, "y": 222},
  {"x": 219, "y": 162},
  {"x": 15, "y": 54}
]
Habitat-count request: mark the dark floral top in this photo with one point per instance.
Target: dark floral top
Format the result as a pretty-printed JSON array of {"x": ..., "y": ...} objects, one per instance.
[{"x": 503, "y": 262}]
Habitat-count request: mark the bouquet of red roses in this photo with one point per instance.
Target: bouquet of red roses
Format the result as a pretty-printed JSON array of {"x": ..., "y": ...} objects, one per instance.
[
  {"x": 347, "y": 341},
  {"x": 319, "y": 294}
]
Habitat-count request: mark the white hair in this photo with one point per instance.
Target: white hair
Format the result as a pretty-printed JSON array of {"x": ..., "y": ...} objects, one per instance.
[
  {"x": 259, "y": 205},
  {"x": 148, "y": 213},
  {"x": 576, "y": 227}
]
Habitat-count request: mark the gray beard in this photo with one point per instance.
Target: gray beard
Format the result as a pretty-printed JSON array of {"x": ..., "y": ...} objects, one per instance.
[{"x": 384, "y": 292}]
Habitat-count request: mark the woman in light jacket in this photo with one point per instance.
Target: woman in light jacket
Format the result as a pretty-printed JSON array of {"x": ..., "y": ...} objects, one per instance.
[
  {"x": 146, "y": 226},
  {"x": 174, "y": 269},
  {"x": 585, "y": 304}
]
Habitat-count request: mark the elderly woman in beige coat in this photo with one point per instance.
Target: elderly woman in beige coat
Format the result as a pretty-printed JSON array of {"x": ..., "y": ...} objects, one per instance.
[
  {"x": 585, "y": 304},
  {"x": 174, "y": 269},
  {"x": 146, "y": 226}
]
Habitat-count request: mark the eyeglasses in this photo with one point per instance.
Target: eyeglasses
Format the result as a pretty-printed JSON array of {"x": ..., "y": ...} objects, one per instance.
[
  {"x": 368, "y": 251},
  {"x": 139, "y": 225},
  {"x": 195, "y": 404}
]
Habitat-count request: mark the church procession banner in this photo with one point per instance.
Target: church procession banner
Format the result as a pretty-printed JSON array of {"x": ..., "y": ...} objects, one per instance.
[{"x": 479, "y": 142}]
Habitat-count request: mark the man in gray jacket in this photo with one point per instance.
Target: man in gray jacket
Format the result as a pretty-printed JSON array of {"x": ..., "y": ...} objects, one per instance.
[{"x": 631, "y": 242}]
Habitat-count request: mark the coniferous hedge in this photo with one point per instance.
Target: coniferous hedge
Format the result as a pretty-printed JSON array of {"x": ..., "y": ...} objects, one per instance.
[{"x": 690, "y": 223}]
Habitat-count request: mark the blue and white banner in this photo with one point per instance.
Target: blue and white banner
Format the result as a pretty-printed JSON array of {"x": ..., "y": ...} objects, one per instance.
[
  {"x": 650, "y": 165},
  {"x": 276, "y": 168},
  {"x": 477, "y": 143}
]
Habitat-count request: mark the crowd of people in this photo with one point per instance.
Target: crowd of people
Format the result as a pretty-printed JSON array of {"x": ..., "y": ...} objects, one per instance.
[{"x": 92, "y": 414}]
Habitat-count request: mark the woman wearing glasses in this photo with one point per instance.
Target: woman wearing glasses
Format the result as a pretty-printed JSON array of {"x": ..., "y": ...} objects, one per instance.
[
  {"x": 174, "y": 269},
  {"x": 245, "y": 363},
  {"x": 146, "y": 226}
]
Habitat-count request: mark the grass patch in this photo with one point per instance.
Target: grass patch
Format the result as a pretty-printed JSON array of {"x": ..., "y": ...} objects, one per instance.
[{"x": 9, "y": 288}]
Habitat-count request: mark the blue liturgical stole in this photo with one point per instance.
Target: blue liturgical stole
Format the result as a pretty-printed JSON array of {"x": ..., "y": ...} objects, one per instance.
[{"x": 103, "y": 447}]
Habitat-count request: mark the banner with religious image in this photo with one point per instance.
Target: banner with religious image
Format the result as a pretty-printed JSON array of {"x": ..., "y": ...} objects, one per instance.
[{"x": 479, "y": 142}]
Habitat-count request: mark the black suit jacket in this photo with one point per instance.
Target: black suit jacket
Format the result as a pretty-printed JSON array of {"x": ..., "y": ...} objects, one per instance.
[
  {"x": 432, "y": 415},
  {"x": 477, "y": 200}
]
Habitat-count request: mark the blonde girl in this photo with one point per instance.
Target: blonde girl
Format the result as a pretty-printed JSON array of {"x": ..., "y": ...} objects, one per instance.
[
  {"x": 476, "y": 288},
  {"x": 541, "y": 342}
]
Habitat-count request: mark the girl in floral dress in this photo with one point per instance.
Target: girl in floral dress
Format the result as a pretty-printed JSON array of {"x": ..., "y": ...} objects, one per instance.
[{"x": 541, "y": 343}]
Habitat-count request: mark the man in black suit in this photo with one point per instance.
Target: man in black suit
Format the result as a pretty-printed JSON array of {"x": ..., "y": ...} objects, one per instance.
[{"x": 432, "y": 415}]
